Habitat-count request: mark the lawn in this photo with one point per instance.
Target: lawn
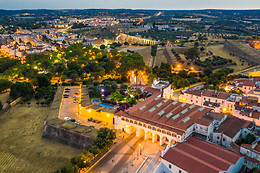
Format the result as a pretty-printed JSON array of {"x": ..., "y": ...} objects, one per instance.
[{"x": 23, "y": 149}]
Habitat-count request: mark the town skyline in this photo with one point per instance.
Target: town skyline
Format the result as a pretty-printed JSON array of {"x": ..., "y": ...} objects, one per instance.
[{"x": 142, "y": 4}]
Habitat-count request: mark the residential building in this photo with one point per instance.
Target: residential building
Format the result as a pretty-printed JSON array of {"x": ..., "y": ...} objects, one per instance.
[{"x": 231, "y": 130}]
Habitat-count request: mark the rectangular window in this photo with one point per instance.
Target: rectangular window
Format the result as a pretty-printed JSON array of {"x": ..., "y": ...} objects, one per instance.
[
  {"x": 170, "y": 166},
  {"x": 179, "y": 171}
]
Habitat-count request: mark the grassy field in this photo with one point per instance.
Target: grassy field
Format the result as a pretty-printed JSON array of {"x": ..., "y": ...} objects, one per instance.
[
  {"x": 146, "y": 53},
  {"x": 4, "y": 97},
  {"x": 23, "y": 149},
  {"x": 219, "y": 51}
]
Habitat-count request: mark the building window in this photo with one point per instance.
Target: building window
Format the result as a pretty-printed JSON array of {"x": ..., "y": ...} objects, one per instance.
[
  {"x": 196, "y": 101},
  {"x": 169, "y": 133},
  {"x": 154, "y": 128},
  {"x": 163, "y": 131},
  {"x": 140, "y": 124},
  {"x": 131, "y": 121},
  {"x": 170, "y": 166},
  {"x": 222, "y": 101},
  {"x": 135, "y": 122},
  {"x": 127, "y": 120},
  {"x": 173, "y": 134},
  {"x": 218, "y": 137},
  {"x": 223, "y": 139},
  {"x": 144, "y": 125},
  {"x": 179, "y": 171},
  {"x": 158, "y": 130},
  {"x": 122, "y": 119},
  {"x": 149, "y": 127},
  {"x": 204, "y": 98}
]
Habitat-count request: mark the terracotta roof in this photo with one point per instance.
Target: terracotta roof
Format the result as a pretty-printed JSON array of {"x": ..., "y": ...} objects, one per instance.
[
  {"x": 256, "y": 114},
  {"x": 216, "y": 94},
  {"x": 198, "y": 156},
  {"x": 164, "y": 113},
  {"x": 194, "y": 92},
  {"x": 231, "y": 126},
  {"x": 257, "y": 148},
  {"x": 235, "y": 147}
]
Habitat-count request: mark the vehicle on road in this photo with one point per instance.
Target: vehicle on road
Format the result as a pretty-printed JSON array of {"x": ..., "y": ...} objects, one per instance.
[
  {"x": 66, "y": 118},
  {"x": 67, "y": 88},
  {"x": 75, "y": 96},
  {"x": 66, "y": 91},
  {"x": 78, "y": 122},
  {"x": 72, "y": 120}
]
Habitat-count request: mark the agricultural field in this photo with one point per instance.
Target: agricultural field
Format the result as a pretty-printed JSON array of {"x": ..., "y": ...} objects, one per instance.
[{"x": 23, "y": 149}]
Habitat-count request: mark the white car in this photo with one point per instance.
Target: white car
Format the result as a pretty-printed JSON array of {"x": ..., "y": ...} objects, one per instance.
[
  {"x": 66, "y": 118},
  {"x": 78, "y": 122},
  {"x": 75, "y": 96}
]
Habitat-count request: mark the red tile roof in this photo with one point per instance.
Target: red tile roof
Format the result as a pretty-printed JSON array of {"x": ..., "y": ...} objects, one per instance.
[
  {"x": 216, "y": 94},
  {"x": 164, "y": 113},
  {"x": 199, "y": 156},
  {"x": 231, "y": 126}
]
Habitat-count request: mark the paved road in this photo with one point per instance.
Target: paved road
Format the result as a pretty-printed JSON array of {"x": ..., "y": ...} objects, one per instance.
[{"x": 104, "y": 165}]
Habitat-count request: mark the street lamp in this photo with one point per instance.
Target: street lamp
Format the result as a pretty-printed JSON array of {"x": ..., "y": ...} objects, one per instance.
[{"x": 140, "y": 145}]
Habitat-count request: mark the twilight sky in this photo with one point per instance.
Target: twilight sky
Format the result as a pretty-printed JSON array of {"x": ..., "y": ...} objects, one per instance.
[{"x": 134, "y": 4}]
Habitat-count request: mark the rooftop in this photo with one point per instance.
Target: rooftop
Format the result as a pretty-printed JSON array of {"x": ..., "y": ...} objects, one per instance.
[
  {"x": 198, "y": 156},
  {"x": 231, "y": 126},
  {"x": 164, "y": 113}
]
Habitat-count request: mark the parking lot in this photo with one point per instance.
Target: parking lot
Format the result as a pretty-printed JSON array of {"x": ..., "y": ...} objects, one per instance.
[{"x": 70, "y": 108}]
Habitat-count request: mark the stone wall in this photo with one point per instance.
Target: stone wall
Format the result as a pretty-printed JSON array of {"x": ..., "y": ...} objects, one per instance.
[
  {"x": 67, "y": 136},
  {"x": 66, "y": 132}
]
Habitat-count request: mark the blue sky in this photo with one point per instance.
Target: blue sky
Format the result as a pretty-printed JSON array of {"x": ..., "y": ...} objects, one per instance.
[{"x": 130, "y": 4}]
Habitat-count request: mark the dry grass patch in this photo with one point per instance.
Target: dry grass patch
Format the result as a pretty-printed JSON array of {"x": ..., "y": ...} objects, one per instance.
[{"x": 23, "y": 149}]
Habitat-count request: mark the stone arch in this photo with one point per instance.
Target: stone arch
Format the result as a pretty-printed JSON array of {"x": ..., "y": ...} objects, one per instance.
[
  {"x": 140, "y": 133},
  {"x": 148, "y": 135},
  {"x": 156, "y": 138},
  {"x": 132, "y": 130}
]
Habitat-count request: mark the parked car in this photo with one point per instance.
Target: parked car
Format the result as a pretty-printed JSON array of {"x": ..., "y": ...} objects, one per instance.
[
  {"x": 75, "y": 96},
  {"x": 78, "y": 122},
  {"x": 72, "y": 120},
  {"x": 67, "y": 118},
  {"x": 67, "y": 88},
  {"x": 92, "y": 126},
  {"x": 77, "y": 93},
  {"x": 75, "y": 101},
  {"x": 66, "y": 91}
]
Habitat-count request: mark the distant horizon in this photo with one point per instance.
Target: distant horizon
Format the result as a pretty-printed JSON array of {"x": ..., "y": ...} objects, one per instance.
[
  {"x": 133, "y": 4},
  {"x": 130, "y": 9}
]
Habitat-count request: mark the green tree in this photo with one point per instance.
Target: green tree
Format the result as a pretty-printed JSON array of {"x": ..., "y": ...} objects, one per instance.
[
  {"x": 116, "y": 96},
  {"x": 192, "y": 54},
  {"x": 42, "y": 80}
]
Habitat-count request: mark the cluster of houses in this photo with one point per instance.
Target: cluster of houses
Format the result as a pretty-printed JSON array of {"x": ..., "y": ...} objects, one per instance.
[
  {"x": 203, "y": 130},
  {"x": 22, "y": 44}
]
